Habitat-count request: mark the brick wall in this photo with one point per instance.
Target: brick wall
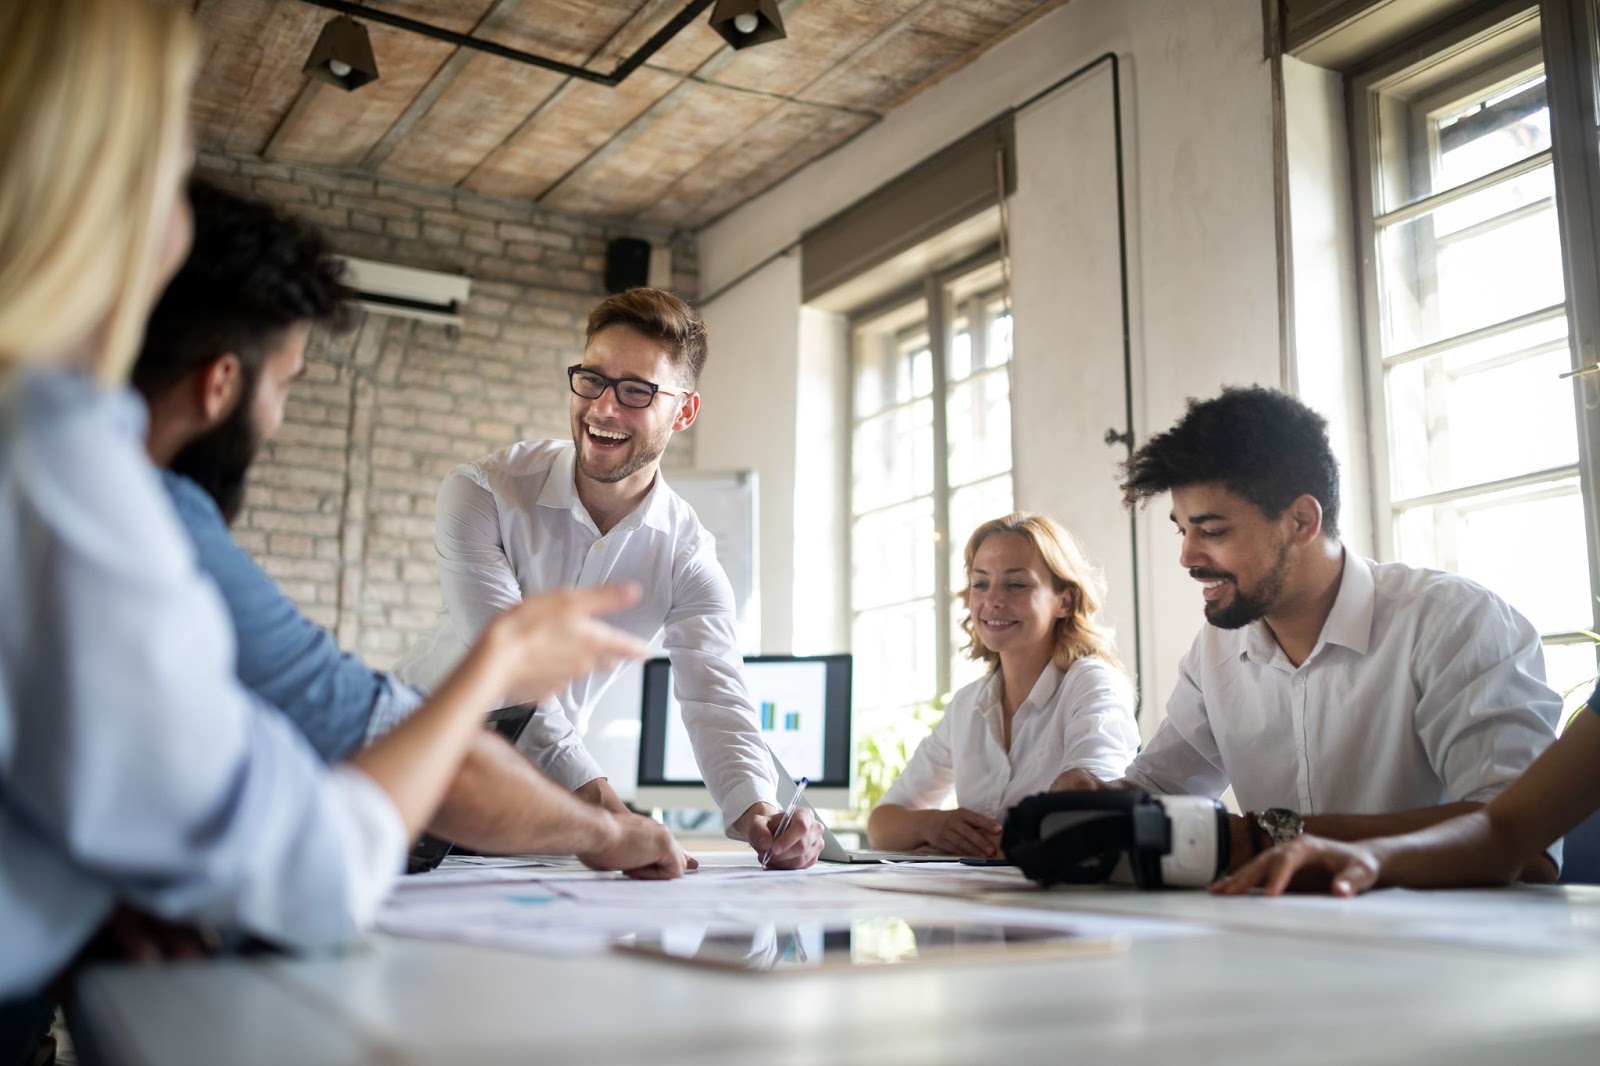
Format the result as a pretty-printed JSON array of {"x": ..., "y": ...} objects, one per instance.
[{"x": 340, "y": 509}]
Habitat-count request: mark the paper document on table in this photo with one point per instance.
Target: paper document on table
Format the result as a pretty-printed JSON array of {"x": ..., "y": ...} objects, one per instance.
[
  {"x": 1530, "y": 919},
  {"x": 561, "y": 915}
]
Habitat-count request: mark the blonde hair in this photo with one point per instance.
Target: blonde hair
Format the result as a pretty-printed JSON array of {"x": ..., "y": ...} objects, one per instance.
[
  {"x": 1077, "y": 635},
  {"x": 94, "y": 101}
]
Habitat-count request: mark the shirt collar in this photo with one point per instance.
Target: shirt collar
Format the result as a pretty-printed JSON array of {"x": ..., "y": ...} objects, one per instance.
[
  {"x": 1349, "y": 622},
  {"x": 1043, "y": 689},
  {"x": 561, "y": 492}
]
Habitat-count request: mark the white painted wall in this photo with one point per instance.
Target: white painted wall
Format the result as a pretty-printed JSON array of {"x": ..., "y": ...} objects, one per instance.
[
  {"x": 1197, "y": 106},
  {"x": 1326, "y": 336},
  {"x": 748, "y": 419},
  {"x": 820, "y": 541}
]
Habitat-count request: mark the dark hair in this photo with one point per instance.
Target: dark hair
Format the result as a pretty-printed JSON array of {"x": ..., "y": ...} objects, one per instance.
[
  {"x": 1262, "y": 444},
  {"x": 252, "y": 273},
  {"x": 662, "y": 317}
]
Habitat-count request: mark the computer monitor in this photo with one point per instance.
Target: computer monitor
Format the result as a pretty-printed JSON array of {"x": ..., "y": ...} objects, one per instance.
[{"x": 802, "y": 708}]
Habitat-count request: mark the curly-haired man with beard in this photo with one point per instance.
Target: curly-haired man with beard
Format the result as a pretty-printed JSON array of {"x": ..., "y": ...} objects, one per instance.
[{"x": 1333, "y": 693}]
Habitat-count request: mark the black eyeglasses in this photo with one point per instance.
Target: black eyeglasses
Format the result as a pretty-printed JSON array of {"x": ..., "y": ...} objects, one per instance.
[{"x": 631, "y": 392}]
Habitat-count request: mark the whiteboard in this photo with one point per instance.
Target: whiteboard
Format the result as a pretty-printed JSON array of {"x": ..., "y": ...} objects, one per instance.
[{"x": 726, "y": 505}]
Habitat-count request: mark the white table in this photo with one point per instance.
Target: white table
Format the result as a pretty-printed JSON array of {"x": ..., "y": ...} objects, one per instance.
[{"x": 1304, "y": 983}]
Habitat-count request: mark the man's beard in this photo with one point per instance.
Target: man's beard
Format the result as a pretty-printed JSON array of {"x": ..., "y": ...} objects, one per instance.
[
  {"x": 1246, "y": 608},
  {"x": 220, "y": 460},
  {"x": 645, "y": 451}
]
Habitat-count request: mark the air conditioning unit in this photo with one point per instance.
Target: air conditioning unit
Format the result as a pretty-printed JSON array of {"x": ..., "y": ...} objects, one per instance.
[{"x": 407, "y": 292}]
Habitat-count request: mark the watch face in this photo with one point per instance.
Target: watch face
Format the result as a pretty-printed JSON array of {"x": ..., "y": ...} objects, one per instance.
[{"x": 1281, "y": 824}]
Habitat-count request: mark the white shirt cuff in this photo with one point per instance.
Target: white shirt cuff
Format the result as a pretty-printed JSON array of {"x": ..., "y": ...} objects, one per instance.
[
  {"x": 374, "y": 841},
  {"x": 742, "y": 797}
]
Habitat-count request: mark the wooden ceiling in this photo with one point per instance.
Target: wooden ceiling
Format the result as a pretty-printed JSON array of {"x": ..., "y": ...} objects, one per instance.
[{"x": 696, "y": 131}]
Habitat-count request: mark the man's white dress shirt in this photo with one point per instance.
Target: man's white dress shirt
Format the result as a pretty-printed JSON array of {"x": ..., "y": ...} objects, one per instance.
[
  {"x": 511, "y": 525},
  {"x": 1078, "y": 718},
  {"x": 1423, "y": 688}
]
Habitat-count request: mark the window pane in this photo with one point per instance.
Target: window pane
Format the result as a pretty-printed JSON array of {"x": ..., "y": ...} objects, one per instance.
[
  {"x": 1482, "y": 412},
  {"x": 979, "y": 414},
  {"x": 893, "y": 457},
  {"x": 1526, "y": 545},
  {"x": 963, "y": 670},
  {"x": 891, "y": 370},
  {"x": 970, "y": 507},
  {"x": 1483, "y": 259},
  {"x": 892, "y": 555},
  {"x": 1492, "y": 132},
  {"x": 1570, "y": 669},
  {"x": 960, "y": 353},
  {"x": 894, "y": 652},
  {"x": 999, "y": 347}
]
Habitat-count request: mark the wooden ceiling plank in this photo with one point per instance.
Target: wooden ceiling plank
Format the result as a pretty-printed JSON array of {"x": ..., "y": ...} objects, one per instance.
[
  {"x": 771, "y": 149},
  {"x": 578, "y": 120},
  {"x": 598, "y": 161},
  {"x": 490, "y": 98},
  {"x": 344, "y": 126},
  {"x": 906, "y": 13},
  {"x": 250, "y": 70},
  {"x": 442, "y": 81},
  {"x": 934, "y": 39},
  {"x": 505, "y": 171},
  {"x": 821, "y": 36},
  {"x": 621, "y": 183},
  {"x": 762, "y": 155}
]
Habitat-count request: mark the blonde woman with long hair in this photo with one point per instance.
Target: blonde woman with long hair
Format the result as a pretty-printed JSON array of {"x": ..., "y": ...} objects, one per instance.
[
  {"x": 1055, "y": 697},
  {"x": 133, "y": 768}
]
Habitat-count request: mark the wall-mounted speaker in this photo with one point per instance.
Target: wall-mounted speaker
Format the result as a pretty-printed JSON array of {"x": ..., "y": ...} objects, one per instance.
[{"x": 627, "y": 264}]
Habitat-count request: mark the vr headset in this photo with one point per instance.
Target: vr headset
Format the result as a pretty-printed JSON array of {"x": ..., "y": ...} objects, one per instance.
[{"x": 1086, "y": 838}]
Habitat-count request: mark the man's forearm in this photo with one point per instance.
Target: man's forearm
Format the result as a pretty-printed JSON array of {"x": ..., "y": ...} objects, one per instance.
[
  {"x": 1367, "y": 826},
  {"x": 1469, "y": 834},
  {"x": 500, "y": 802}
]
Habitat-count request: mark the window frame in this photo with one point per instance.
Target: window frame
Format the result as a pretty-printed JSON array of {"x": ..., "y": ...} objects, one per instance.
[
  {"x": 933, "y": 291},
  {"x": 1373, "y": 159}
]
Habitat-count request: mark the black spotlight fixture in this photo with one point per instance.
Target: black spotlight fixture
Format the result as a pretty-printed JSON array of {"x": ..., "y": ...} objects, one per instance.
[
  {"x": 743, "y": 23},
  {"x": 342, "y": 55}
]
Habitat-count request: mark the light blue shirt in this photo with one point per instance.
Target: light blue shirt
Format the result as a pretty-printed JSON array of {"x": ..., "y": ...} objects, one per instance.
[
  {"x": 283, "y": 657},
  {"x": 132, "y": 764}
]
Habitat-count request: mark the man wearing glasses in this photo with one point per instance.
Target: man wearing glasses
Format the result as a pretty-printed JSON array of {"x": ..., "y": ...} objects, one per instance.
[{"x": 543, "y": 513}]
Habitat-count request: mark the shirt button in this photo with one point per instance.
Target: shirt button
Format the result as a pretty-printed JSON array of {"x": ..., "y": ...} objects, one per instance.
[
  {"x": 1299, "y": 679},
  {"x": 599, "y": 544}
]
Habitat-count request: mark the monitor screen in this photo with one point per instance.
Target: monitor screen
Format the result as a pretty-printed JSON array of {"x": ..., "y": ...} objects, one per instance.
[{"x": 802, "y": 708}]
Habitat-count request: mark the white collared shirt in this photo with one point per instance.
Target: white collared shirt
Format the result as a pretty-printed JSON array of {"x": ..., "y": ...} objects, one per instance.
[
  {"x": 1080, "y": 718},
  {"x": 1423, "y": 688},
  {"x": 511, "y": 525}
]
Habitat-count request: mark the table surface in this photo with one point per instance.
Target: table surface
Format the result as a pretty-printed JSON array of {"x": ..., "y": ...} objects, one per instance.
[{"x": 1373, "y": 980}]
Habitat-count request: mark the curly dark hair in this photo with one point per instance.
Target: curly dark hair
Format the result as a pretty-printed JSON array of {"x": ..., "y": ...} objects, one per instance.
[
  {"x": 252, "y": 273},
  {"x": 1264, "y": 445}
]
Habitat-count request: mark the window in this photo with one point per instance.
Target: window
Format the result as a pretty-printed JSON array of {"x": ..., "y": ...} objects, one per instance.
[
  {"x": 930, "y": 460},
  {"x": 1478, "y": 470}
]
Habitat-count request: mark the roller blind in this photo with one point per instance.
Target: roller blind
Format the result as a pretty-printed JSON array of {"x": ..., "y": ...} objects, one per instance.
[{"x": 949, "y": 187}]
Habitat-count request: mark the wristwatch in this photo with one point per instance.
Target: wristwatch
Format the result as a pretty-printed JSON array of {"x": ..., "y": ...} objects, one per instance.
[{"x": 1281, "y": 824}]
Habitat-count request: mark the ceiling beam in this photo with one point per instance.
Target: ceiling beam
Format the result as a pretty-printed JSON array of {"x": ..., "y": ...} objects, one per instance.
[
  {"x": 497, "y": 15},
  {"x": 645, "y": 12},
  {"x": 627, "y": 66},
  {"x": 633, "y": 130}
]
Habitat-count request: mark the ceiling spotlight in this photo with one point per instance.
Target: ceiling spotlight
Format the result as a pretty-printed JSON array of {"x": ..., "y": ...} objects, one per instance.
[
  {"x": 342, "y": 55},
  {"x": 743, "y": 23}
]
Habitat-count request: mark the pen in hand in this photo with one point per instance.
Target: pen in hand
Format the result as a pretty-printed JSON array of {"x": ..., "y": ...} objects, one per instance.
[{"x": 788, "y": 816}]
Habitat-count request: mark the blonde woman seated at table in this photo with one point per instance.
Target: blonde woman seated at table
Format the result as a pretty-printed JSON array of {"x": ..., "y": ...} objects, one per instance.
[{"x": 1055, "y": 697}]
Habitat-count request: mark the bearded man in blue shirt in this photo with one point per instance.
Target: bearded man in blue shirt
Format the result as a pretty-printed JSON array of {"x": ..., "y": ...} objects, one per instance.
[{"x": 222, "y": 350}]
